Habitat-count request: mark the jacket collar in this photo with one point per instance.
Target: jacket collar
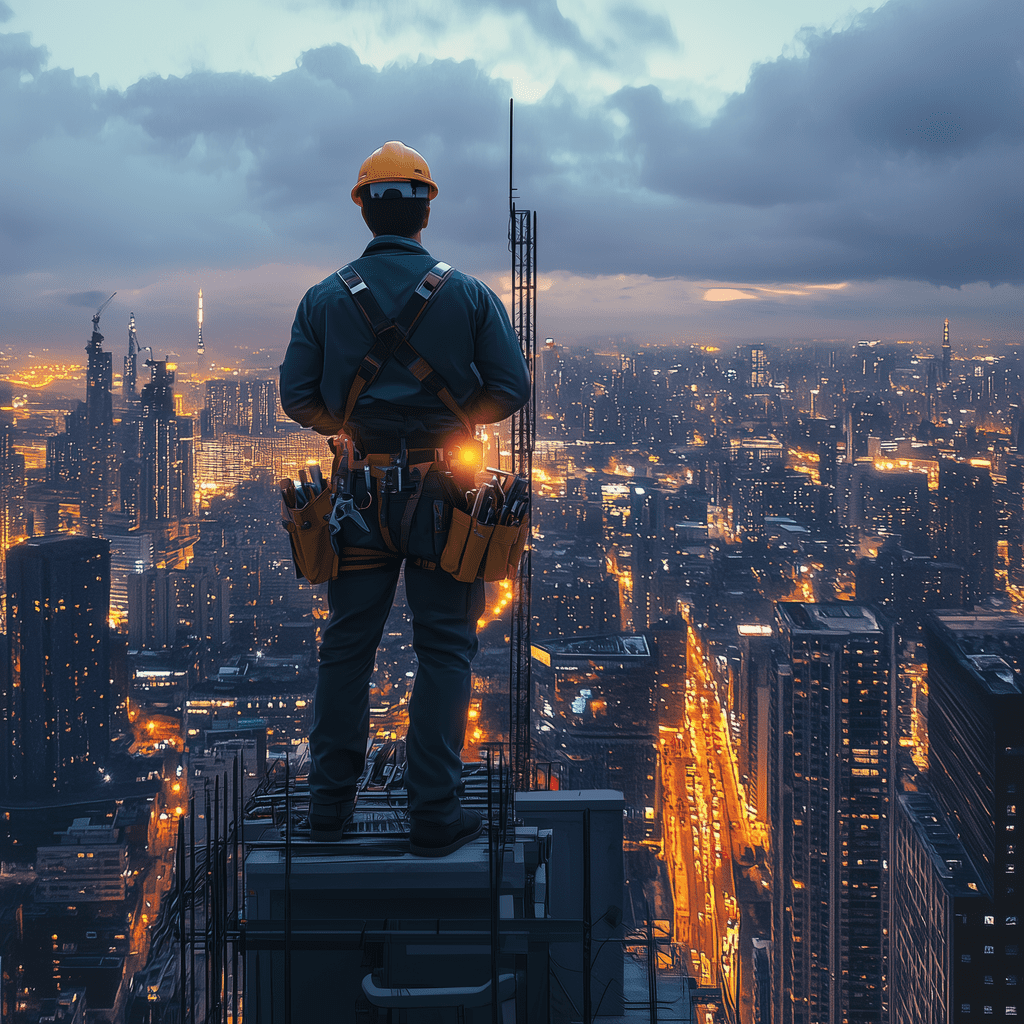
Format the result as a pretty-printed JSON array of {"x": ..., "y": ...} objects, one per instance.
[{"x": 393, "y": 243}]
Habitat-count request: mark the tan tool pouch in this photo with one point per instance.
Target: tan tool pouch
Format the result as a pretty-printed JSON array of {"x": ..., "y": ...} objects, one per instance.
[
  {"x": 478, "y": 551},
  {"x": 310, "y": 537}
]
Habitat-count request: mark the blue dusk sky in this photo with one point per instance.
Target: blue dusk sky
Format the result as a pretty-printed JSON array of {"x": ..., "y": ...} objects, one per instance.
[{"x": 701, "y": 172}]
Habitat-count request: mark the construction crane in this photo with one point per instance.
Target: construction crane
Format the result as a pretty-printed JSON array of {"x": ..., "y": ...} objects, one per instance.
[{"x": 96, "y": 315}]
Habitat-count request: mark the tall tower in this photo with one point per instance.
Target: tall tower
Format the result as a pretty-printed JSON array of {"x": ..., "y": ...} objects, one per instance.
[
  {"x": 829, "y": 762},
  {"x": 99, "y": 461},
  {"x": 55, "y": 709},
  {"x": 200, "y": 347},
  {"x": 945, "y": 352},
  {"x": 129, "y": 379}
]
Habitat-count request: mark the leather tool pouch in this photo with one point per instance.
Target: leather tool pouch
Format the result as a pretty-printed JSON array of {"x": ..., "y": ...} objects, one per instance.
[
  {"x": 479, "y": 551},
  {"x": 311, "y": 539}
]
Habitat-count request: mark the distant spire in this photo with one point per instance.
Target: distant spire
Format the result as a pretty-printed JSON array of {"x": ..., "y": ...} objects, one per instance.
[
  {"x": 945, "y": 352},
  {"x": 200, "y": 348}
]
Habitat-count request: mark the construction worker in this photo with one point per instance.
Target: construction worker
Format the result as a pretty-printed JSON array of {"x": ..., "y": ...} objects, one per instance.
[{"x": 410, "y": 432}]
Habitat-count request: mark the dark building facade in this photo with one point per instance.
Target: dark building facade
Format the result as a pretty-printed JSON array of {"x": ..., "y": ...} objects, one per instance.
[
  {"x": 967, "y": 524},
  {"x": 976, "y": 768},
  {"x": 937, "y": 964},
  {"x": 56, "y": 707},
  {"x": 906, "y": 586},
  {"x": 829, "y": 769},
  {"x": 596, "y": 718}
]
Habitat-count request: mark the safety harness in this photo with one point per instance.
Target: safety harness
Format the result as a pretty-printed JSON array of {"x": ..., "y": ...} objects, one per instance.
[
  {"x": 392, "y": 470},
  {"x": 391, "y": 338}
]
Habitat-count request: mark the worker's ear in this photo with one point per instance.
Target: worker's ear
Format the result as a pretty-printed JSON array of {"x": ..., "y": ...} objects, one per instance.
[{"x": 426, "y": 217}]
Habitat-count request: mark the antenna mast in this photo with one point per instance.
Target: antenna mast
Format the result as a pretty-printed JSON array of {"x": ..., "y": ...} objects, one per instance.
[{"x": 523, "y": 246}]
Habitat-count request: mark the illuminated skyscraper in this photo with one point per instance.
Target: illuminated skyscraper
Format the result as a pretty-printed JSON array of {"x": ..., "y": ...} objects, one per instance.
[
  {"x": 758, "y": 368},
  {"x": 156, "y": 480},
  {"x": 946, "y": 351},
  {"x": 54, "y": 716},
  {"x": 129, "y": 380},
  {"x": 829, "y": 766},
  {"x": 98, "y": 454}
]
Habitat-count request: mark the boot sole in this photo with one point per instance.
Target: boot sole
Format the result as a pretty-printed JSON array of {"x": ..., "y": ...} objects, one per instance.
[{"x": 443, "y": 851}]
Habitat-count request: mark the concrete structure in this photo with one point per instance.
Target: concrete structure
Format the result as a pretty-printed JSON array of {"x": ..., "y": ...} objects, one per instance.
[
  {"x": 829, "y": 793},
  {"x": 54, "y": 714},
  {"x": 937, "y": 962}
]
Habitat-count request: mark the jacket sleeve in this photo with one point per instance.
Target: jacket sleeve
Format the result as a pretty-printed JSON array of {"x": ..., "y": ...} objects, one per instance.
[
  {"x": 499, "y": 361},
  {"x": 302, "y": 370}
]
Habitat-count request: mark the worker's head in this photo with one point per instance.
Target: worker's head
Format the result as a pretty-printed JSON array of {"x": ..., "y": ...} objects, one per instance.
[{"x": 394, "y": 189}]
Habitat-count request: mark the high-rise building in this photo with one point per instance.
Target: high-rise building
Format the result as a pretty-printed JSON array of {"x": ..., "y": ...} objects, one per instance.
[
  {"x": 976, "y": 767},
  {"x": 157, "y": 476},
  {"x": 130, "y": 376},
  {"x": 937, "y": 961},
  {"x": 167, "y": 604},
  {"x": 98, "y": 453},
  {"x": 7, "y": 479},
  {"x": 905, "y": 586},
  {"x": 829, "y": 766},
  {"x": 240, "y": 407},
  {"x": 55, "y": 734},
  {"x": 647, "y": 530},
  {"x": 967, "y": 524},
  {"x": 758, "y": 379},
  {"x": 598, "y": 721}
]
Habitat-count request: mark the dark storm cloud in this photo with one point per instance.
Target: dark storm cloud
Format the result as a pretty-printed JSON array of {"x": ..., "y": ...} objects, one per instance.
[
  {"x": 891, "y": 149},
  {"x": 543, "y": 16},
  {"x": 895, "y": 145},
  {"x": 89, "y": 299}
]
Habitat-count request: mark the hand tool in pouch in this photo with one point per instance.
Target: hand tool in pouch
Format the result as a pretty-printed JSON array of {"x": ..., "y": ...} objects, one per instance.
[{"x": 344, "y": 504}]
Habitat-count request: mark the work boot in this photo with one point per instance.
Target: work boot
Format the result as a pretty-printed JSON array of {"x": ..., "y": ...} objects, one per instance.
[
  {"x": 429, "y": 839},
  {"x": 327, "y": 822}
]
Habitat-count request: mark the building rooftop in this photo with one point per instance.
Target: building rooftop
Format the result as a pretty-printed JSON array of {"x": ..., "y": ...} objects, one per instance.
[
  {"x": 990, "y": 644},
  {"x": 618, "y": 646},
  {"x": 949, "y": 858},
  {"x": 841, "y": 617}
]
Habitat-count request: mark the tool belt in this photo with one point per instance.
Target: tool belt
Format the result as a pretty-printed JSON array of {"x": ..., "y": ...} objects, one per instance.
[
  {"x": 480, "y": 540},
  {"x": 487, "y": 540},
  {"x": 305, "y": 512}
]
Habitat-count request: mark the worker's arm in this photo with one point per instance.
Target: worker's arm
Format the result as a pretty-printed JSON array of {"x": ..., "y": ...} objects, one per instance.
[
  {"x": 303, "y": 369},
  {"x": 499, "y": 362}
]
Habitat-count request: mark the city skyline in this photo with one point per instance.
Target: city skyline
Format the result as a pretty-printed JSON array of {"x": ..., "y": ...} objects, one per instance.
[{"x": 851, "y": 179}]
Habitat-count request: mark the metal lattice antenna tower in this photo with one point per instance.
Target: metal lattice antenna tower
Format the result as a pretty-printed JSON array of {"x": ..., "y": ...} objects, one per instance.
[{"x": 523, "y": 245}]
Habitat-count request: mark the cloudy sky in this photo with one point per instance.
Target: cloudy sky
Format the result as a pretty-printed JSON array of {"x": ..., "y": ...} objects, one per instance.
[{"x": 701, "y": 172}]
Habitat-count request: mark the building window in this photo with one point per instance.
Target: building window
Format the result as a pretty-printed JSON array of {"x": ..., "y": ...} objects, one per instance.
[
  {"x": 990, "y": 949},
  {"x": 990, "y": 919}
]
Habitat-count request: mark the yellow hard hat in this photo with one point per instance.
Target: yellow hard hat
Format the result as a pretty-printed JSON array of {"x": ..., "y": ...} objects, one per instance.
[{"x": 400, "y": 164}]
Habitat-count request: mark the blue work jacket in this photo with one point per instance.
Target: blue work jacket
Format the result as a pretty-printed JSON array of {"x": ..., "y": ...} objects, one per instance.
[{"x": 465, "y": 336}]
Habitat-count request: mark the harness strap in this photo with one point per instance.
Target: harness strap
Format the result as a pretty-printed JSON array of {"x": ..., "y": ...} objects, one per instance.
[
  {"x": 391, "y": 339},
  {"x": 417, "y": 472}
]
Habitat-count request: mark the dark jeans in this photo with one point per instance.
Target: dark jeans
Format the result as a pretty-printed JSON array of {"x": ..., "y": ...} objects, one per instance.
[{"x": 445, "y": 614}]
